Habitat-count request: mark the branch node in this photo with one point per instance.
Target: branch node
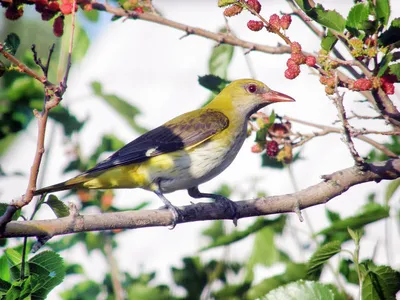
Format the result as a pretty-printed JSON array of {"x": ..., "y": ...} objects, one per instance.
[
  {"x": 41, "y": 240},
  {"x": 73, "y": 210},
  {"x": 297, "y": 210}
]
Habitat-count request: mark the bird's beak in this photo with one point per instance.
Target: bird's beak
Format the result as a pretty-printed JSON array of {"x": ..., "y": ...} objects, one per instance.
[{"x": 273, "y": 96}]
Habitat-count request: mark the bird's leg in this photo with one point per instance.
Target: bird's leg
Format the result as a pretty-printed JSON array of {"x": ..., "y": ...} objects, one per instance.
[
  {"x": 227, "y": 203},
  {"x": 174, "y": 210}
]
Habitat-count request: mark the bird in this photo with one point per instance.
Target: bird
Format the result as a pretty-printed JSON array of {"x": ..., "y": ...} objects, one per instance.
[{"x": 185, "y": 152}]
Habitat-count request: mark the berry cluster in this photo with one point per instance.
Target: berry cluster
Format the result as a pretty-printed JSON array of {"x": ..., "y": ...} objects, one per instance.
[
  {"x": 48, "y": 9},
  {"x": 329, "y": 82},
  {"x": 386, "y": 82},
  {"x": 276, "y": 23},
  {"x": 274, "y": 140},
  {"x": 296, "y": 59},
  {"x": 361, "y": 49}
]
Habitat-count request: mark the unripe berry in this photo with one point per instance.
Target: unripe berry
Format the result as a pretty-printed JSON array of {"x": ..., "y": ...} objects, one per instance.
[
  {"x": 298, "y": 58},
  {"x": 233, "y": 10},
  {"x": 330, "y": 82},
  {"x": 257, "y": 148},
  {"x": 362, "y": 84},
  {"x": 295, "y": 47},
  {"x": 66, "y": 7},
  {"x": 323, "y": 80},
  {"x": 255, "y": 25},
  {"x": 285, "y": 21},
  {"x": 274, "y": 21},
  {"x": 58, "y": 26},
  {"x": 356, "y": 43},
  {"x": 254, "y": 4},
  {"x": 13, "y": 12},
  {"x": 387, "y": 83},
  {"x": 329, "y": 90},
  {"x": 376, "y": 82},
  {"x": 272, "y": 148},
  {"x": 388, "y": 88},
  {"x": 311, "y": 61}
]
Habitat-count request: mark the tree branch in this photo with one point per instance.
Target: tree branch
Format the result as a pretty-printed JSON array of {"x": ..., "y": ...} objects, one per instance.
[{"x": 332, "y": 186}]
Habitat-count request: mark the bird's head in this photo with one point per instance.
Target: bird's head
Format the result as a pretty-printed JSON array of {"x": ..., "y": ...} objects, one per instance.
[{"x": 246, "y": 96}]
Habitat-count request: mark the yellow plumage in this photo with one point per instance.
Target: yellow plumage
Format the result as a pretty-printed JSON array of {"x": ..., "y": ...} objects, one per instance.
[{"x": 184, "y": 152}]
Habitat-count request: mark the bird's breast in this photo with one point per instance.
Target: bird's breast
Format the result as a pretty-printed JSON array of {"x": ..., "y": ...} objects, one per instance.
[{"x": 203, "y": 162}]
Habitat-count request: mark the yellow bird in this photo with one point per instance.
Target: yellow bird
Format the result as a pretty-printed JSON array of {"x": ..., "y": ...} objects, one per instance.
[{"x": 184, "y": 152}]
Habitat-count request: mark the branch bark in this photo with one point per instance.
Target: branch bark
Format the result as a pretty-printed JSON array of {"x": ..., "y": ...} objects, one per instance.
[{"x": 332, "y": 186}]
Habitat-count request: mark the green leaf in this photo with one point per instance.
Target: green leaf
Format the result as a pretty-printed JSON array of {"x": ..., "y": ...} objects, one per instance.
[
  {"x": 381, "y": 282},
  {"x": 320, "y": 257},
  {"x": 348, "y": 270},
  {"x": 305, "y": 290},
  {"x": 264, "y": 251},
  {"x": 91, "y": 15},
  {"x": 358, "y": 16},
  {"x": 369, "y": 213},
  {"x": 48, "y": 267},
  {"x": 220, "y": 59},
  {"x": 88, "y": 289},
  {"x": 395, "y": 70},
  {"x": 14, "y": 260},
  {"x": 213, "y": 83},
  {"x": 237, "y": 235},
  {"x": 4, "y": 286},
  {"x": 68, "y": 121},
  {"x": 215, "y": 230},
  {"x": 391, "y": 189},
  {"x": 328, "y": 18},
  {"x": 384, "y": 64},
  {"x": 329, "y": 41},
  {"x": 332, "y": 216},
  {"x": 126, "y": 110},
  {"x": 392, "y": 35},
  {"x": 11, "y": 43},
  {"x": 58, "y": 207},
  {"x": 382, "y": 11},
  {"x": 222, "y": 3}
]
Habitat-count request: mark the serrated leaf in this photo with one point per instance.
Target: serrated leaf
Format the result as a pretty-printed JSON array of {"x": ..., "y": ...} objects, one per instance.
[
  {"x": 370, "y": 212},
  {"x": 395, "y": 70},
  {"x": 48, "y": 266},
  {"x": 380, "y": 282},
  {"x": 237, "y": 235},
  {"x": 382, "y": 11},
  {"x": 305, "y": 290},
  {"x": 392, "y": 35},
  {"x": 220, "y": 59},
  {"x": 384, "y": 64},
  {"x": 320, "y": 257},
  {"x": 14, "y": 260},
  {"x": 329, "y": 41},
  {"x": 59, "y": 208},
  {"x": 329, "y": 18},
  {"x": 11, "y": 43},
  {"x": 222, "y": 3},
  {"x": 358, "y": 16},
  {"x": 213, "y": 83}
]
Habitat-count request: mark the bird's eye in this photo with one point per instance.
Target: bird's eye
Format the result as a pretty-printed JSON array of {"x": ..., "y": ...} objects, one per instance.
[{"x": 252, "y": 88}]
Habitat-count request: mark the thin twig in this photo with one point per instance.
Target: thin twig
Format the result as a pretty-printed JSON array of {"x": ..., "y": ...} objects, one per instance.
[{"x": 329, "y": 129}]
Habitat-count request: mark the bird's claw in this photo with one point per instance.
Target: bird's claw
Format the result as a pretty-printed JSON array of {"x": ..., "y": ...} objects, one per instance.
[
  {"x": 227, "y": 203},
  {"x": 175, "y": 216}
]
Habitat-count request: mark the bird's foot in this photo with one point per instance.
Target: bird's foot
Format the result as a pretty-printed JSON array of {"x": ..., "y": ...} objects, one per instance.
[
  {"x": 176, "y": 215},
  {"x": 228, "y": 204}
]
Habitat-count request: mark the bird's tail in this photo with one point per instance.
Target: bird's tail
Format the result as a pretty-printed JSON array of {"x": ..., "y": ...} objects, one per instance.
[{"x": 75, "y": 182}]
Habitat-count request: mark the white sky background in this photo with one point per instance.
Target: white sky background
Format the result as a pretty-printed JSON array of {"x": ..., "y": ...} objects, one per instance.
[{"x": 156, "y": 71}]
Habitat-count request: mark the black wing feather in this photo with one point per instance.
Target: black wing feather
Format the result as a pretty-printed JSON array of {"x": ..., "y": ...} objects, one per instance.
[{"x": 173, "y": 136}]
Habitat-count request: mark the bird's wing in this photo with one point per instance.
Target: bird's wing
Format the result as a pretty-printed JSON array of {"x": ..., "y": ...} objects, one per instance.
[{"x": 183, "y": 132}]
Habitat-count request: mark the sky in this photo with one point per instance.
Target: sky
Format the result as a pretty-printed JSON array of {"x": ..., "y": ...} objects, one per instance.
[{"x": 155, "y": 70}]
